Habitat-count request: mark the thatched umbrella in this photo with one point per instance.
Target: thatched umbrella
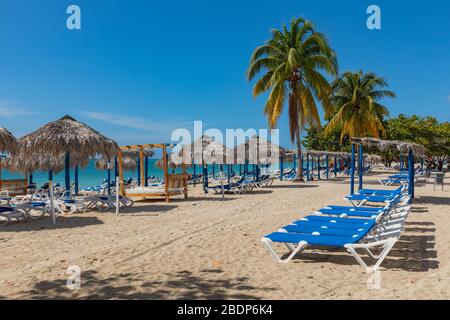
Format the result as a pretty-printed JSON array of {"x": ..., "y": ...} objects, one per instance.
[
  {"x": 69, "y": 137},
  {"x": 38, "y": 162},
  {"x": 135, "y": 153},
  {"x": 204, "y": 151},
  {"x": 171, "y": 165},
  {"x": 418, "y": 150},
  {"x": 8, "y": 144},
  {"x": 257, "y": 151},
  {"x": 105, "y": 164},
  {"x": 127, "y": 163},
  {"x": 212, "y": 153},
  {"x": 192, "y": 152}
]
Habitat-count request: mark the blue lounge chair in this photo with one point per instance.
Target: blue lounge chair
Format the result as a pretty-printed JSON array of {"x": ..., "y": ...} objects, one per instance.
[
  {"x": 297, "y": 242},
  {"x": 381, "y": 192},
  {"x": 350, "y": 213},
  {"x": 359, "y": 199}
]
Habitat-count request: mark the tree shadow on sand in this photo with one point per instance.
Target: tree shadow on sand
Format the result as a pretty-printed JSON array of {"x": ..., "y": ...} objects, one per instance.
[
  {"x": 64, "y": 222},
  {"x": 293, "y": 186},
  {"x": 417, "y": 209},
  {"x": 444, "y": 201},
  {"x": 212, "y": 197},
  {"x": 147, "y": 209},
  {"x": 415, "y": 253},
  {"x": 181, "y": 285}
]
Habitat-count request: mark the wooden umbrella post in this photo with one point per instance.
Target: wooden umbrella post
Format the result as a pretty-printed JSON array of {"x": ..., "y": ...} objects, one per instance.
[
  {"x": 52, "y": 201},
  {"x": 142, "y": 166},
  {"x": 122, "y": 185},
  {"x": 166, "y": 173},
  {"x": 118, "y": 184}
]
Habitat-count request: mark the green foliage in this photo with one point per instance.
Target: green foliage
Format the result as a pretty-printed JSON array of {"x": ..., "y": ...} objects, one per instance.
[
  {"x": 427, "y": 131},
  {"x": 358, "y": 112},
  {"x": 317, "y": 140}
]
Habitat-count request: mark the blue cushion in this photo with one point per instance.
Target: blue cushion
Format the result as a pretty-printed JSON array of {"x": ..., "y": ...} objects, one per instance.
[
  {"x": 349, "y": 213},
  {"x": 339, "y": 220},
  {"x": 332, "y": 223},
  {"x": 38, "y": 204},
  {"x": 367, "y": 209},
  {"x": 377, "y": 192},
  {"x": 370, "y": 198},
  {"x": 6, "y": 209},
  {"x": 326, "y": 230}
]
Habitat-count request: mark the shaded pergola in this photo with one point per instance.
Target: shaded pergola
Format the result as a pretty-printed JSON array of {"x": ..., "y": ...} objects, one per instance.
[
  {"x": 147, "y": 153},
  {"x": 68, "y": 138},
  {"x": 410, "y": 149}
]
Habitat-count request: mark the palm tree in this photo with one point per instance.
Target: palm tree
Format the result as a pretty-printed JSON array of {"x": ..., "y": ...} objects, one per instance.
[
  {"x": 290, "y": 64},
  {"x": 358, "y": 113}
]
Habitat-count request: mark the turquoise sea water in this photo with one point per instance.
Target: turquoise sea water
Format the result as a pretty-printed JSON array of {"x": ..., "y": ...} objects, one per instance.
[{"x": 90, "y": 176}]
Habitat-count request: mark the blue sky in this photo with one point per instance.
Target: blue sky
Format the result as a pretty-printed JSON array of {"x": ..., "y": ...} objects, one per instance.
[{"x": 139, "y": 69}]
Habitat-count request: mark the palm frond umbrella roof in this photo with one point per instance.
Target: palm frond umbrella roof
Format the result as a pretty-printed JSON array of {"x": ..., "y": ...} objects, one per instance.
[
  {"x": 258, "y": 149},
  {"x": 127, "y": 164},
  {"x": 373, "y": 158},
  {"x": 67, "y": 135},
  {"x": 148, "y": 152},
  {"x": 217, "y": 153},
  {"x": 322, "y": 153},
  {"x": 385, "y": 145},
  {"x": 39, "y": 162},
  {"x": 8, "y": 143},
  {"x": 171, "y": 165},
  {"x": 203, "y": 150},
  {"x": 195, "y": 149}
]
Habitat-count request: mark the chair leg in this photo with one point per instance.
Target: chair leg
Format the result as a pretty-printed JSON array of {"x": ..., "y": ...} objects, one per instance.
[
  {"x": 267, "y": 243},
  {"x": 387, "y": 246}
]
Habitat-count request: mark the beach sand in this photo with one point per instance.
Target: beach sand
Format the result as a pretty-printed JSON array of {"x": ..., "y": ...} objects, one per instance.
[{"x": 209, "y": 248}]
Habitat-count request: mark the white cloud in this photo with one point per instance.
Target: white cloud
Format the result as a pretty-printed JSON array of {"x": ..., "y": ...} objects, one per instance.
[
  {"x": 138, "y": 123},
  {"x": 11, "y": 108}
]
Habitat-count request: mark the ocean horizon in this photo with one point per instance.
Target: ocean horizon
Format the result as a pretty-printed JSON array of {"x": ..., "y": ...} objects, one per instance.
[{"x": 91, "y": 176}]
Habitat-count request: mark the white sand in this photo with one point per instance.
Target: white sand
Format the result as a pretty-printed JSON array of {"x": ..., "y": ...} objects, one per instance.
[{"x": 208, "y": 248}]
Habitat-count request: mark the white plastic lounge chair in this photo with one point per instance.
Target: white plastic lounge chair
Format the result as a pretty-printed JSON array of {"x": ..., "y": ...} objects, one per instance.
[
  {"x": 8, "y": 213},
  {"x": 297, "y": 242}
]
